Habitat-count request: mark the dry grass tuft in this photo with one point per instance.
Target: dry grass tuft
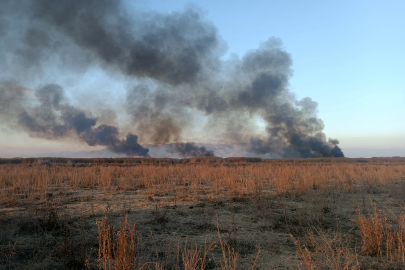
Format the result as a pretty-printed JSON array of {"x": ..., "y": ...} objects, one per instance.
[
  {"x": 382, "y": 237},
  {"x": 327, "y": 251}
]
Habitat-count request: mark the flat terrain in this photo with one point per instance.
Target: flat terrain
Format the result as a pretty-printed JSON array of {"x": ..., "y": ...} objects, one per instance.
[{"x": 202, "y": 213}]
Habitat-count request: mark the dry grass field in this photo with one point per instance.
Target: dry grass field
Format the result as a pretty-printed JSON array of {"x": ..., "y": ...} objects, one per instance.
[{"x": 202, "y": 213}]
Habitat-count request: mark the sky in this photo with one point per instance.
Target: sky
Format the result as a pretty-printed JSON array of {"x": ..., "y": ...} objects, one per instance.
[{"x": 348, "y": 56}]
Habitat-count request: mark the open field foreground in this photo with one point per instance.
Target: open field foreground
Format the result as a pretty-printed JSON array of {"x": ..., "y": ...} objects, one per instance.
[{"x": 202, "y": 213}]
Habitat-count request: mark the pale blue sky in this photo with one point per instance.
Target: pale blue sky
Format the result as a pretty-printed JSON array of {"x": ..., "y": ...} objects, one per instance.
[{"x": 349, "y": 56}]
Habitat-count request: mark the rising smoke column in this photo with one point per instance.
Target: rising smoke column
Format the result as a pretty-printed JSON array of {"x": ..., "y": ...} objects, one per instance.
[
  {"x": 176, "y": 61},
  {"x": 292, "y": 126},
  {"x": 189, "y": 149}
]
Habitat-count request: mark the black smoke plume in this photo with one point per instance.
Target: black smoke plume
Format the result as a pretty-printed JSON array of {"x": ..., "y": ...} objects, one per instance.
[
  {"x": 173, "y": 62},
  {"x": 53, "y": 118},
  {"x": 189, "y": 149},
  {"x": 172, "y": 49}
]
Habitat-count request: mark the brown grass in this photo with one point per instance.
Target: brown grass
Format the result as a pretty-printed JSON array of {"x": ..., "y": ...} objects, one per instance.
[
  {"x": 382, "y": 237},
  {"x": 35, "y": 181},
  {"x": 160, "y": 214}
]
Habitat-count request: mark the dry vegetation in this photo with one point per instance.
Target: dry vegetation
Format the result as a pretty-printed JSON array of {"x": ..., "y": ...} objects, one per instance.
[{"x": 202, "y": 213}]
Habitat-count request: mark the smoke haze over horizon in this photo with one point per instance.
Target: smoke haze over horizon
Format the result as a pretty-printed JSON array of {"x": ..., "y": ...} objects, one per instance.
[{"x": 176, "y": 74}]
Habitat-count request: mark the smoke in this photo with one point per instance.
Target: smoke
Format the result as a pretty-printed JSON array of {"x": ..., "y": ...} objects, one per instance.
[
  {"x": 169, "y": 48},
  {"x": 189, "y": 149},
  {"x": 53, "y": 118},
  {"x": 173, "y": 62}
]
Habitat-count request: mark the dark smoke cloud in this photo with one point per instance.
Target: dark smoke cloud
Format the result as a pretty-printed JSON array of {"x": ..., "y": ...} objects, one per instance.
[
  {"x": 189, "y": 149},
  {"x": 293, "y": 129},
  {"x": 171, "y": 48},
  {"x": 176, "y": 61},
  {"x": 53, "y": 118}
]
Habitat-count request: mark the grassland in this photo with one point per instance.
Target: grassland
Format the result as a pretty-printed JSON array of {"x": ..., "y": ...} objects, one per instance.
[{"x": 202, "y": 213}]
